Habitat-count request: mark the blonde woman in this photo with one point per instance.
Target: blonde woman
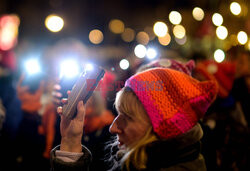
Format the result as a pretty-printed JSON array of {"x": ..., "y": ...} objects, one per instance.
[{"x": 157, "y": 124}]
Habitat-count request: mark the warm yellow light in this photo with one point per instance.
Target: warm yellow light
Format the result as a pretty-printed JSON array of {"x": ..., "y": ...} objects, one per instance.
[
  {"x": 128, "y": 35},
  {"x": 221, "y": 32},
  {"x": 248, "y": 45},
  {"x": 175, "y": 17},
  {"x": 198, "y": 13},
  {"x": 160, "y": 29},
  {"x": 164, "y": 40},
  {"x": 54, "y": 23},
  {"x": 242, "y": 37},
  {"x": 179, "y": 31},
  {"x": 219, "y": 55},
  {"x": 142, "y": 38},
  {"x": 217, "y": 19},
  {"x": 116, "y": 26},
  {"x": 235, "y": 8},
  {"x": 95, "y": 36}
]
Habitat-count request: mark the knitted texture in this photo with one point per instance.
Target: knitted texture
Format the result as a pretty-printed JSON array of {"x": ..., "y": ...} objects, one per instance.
[{"x": 173, "y": 100}]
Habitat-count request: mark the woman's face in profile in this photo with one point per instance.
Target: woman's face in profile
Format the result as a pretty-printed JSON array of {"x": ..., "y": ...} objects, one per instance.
[{"x": 129, "y": 130}]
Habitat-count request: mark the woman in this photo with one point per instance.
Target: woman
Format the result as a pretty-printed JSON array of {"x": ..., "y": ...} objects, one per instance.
[{"x": 156, "y": 126}]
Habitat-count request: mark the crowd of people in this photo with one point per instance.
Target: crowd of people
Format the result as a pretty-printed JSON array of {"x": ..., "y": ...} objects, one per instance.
[{"x": 169, "y": 114}]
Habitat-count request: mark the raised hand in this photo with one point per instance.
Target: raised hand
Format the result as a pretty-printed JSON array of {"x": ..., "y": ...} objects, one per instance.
[{"x": 72, "y": 130}]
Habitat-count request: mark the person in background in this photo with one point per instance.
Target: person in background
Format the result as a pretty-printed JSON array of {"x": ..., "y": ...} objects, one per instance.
[
  {"x": 158, "y": 114},
  {"x": 30, "y": 142},
  {"x": 10, "y": 110},
  {"x": 225, "y": 124}
]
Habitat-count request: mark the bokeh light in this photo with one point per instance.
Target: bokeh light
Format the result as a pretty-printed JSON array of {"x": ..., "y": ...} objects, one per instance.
[
  {"x": 142, "y": 38},
  {"x": 165, "y": 40},
  {"x": 69, "y": 68},
  {"x": 248, "y": 45},
  {"x": 219, "y": 55},
  {"x": 89, "y": 67},
  {"x": 175, "y": 17},
  {"x": 140, "y": 51},
  {"x": 160, "y": 29},
  {"x": 242, "y": 37},
  {"x": 116, "y": 26},
  {"x": 128, "y": 35},
  {"x": 96, "y": 36},
  {"x": 32, "y": 66},
  {"x": 54, "y": 23},
  {"x": 8, "y": 31},
  {"x": 151, "y": 53},
  {"x": 179, "y": 31},
  {"x": 235, "y": 8},
  {"x": 217, "y": 19},
  {"x": 198, "y": 14},
  {"x": 124, "y": 64},
  {"x": 221, "y": 32}
]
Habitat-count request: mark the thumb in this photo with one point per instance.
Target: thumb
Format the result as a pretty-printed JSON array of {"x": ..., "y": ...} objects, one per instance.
[{"x": 80, "y": 112}]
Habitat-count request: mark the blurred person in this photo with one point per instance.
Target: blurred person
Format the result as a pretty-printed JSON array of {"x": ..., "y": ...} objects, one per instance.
[
  {"x": 241, "y": 86},
  {"x": 225, "y": 122},
  {"x": 10, "y": 110},
  {"x": 152, "y": 122},
  {"x": 30, "y": 142}
]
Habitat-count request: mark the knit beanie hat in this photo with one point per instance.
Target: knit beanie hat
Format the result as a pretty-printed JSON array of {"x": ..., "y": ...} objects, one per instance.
[
  {"x": 170, "y": 63},
  {"x": 173, "y": 100},
  {"x": 223, "y": 73}
]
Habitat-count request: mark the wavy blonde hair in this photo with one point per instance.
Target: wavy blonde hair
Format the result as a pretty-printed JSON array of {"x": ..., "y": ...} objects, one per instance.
[{"x": 128, "y": 103}]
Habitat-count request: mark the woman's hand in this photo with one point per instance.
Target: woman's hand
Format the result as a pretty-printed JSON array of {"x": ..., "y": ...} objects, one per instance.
[{"x": 72, "y": 130}]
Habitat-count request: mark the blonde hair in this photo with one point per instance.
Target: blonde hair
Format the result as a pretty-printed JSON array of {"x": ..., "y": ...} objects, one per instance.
[{"x": 128, "y": 103}]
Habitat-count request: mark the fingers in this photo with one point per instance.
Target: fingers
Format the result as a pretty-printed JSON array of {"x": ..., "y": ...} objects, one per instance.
[{"x": 80, "y": 111}]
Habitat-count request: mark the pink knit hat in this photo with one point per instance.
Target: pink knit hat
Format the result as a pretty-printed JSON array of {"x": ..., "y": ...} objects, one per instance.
[{"x": 173, "y": 100}]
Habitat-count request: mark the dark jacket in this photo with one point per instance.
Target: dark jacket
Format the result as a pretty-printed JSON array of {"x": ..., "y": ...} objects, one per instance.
[{"x": 179, "y": 154}]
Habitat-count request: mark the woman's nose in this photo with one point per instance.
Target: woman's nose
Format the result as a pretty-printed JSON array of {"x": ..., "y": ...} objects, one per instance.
[{"x": 113, "y": 129}]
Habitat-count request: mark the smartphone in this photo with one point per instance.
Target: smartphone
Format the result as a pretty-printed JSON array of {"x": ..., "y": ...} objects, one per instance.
[{"x": 82, "y": 90}]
